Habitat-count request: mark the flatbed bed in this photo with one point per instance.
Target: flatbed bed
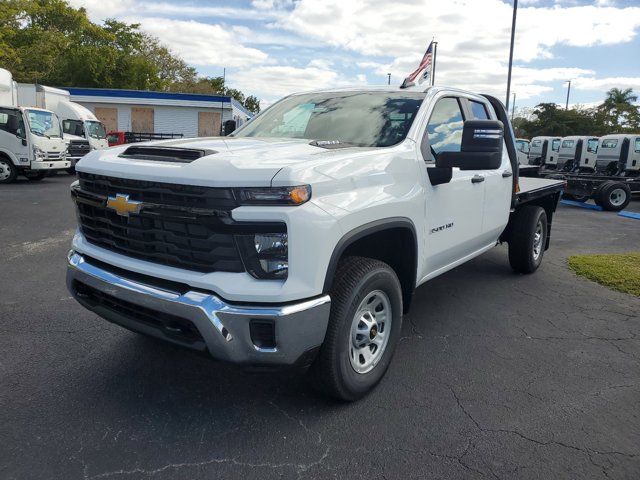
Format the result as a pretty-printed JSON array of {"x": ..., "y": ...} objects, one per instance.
[{"x": 532, "y": 188}]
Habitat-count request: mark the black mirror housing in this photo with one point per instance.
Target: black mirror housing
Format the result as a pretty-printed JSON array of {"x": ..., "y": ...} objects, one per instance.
[
  {"x": 482, "y": 142},
  {"x": 229, "y": 127}
]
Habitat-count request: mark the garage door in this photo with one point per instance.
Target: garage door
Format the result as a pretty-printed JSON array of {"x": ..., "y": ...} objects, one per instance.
[
  {"x": 142, "y": 120},
  {"x": 108, "y": 116},
  {"x": 208, "y": 124}
]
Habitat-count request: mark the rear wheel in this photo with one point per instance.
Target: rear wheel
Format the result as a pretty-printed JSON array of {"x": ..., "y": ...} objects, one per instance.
[
  {"x": 8, "y": 171},
  {"x": 363, "y": 330},
  {"x": 615, "y": 196},
  {"x": 528, "y": 238}
]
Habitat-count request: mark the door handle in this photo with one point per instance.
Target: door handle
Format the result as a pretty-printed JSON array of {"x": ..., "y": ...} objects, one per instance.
[
  {"x": 507, "y": 174},
  {"x": 477, "y": 179}
]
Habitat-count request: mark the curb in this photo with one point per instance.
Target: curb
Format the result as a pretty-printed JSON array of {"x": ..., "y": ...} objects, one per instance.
[{"x": 626, "y": 214}]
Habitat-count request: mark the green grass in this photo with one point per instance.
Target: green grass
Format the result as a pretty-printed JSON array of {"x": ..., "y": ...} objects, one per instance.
[{"x": 618, "y": 271}]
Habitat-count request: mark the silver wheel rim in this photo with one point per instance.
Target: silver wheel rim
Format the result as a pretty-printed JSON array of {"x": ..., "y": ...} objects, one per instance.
[
  {"x": 5, "y": 170},
  {"x": 617, "y": 197},
  {"x": 537, "y": 240},
  {"x": 370, "y": 330}
]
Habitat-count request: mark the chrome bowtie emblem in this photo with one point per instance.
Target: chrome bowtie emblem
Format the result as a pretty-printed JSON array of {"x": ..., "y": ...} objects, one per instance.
[{"x": 122, "y": 205}]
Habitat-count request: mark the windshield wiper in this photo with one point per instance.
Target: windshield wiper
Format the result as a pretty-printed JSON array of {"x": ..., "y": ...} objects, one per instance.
[{"x": 330, "y": 144}]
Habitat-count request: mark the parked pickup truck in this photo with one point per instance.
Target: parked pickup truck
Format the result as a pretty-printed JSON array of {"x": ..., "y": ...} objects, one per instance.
[{"x": 300, "y": 239}]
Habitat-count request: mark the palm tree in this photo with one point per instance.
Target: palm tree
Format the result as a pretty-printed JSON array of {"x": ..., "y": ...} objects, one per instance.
[{"x": 619, "y": 103}]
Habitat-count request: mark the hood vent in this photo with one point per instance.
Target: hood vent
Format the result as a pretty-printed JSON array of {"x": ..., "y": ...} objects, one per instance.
[{"x": 165, "y": 154}]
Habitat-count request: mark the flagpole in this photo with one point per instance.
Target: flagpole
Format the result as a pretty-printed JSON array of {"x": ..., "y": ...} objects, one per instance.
[{"x": 433, "y": 67}]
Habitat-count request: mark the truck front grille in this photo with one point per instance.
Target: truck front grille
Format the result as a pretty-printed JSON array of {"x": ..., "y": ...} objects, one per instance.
[
  {"x": 54, "y": 155},
  {"x": 181, "y": 226},
  {"x": 78, "y": 148}
]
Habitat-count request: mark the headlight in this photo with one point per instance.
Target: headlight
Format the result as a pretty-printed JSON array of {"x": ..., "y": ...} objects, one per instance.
[
  {"x": 265, "y": 255},
  {"x": 274, "y": 195},
  {"x": 38, "y": 153}
]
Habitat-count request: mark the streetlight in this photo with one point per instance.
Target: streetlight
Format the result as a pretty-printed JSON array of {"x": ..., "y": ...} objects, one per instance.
[
  {"x": 566, "y": 107},
  {"x": 513, "y": 33},
  {"x": 389, "y": 79}
]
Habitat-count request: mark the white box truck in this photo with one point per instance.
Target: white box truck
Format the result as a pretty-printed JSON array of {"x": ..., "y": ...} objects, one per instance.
[
  {"x": 31, "y": 140},
  {"x": 82, "y": 130}
]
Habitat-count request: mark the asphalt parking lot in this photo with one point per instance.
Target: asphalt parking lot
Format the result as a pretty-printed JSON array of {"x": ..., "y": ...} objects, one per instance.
[{"x": 497, "y": 375}]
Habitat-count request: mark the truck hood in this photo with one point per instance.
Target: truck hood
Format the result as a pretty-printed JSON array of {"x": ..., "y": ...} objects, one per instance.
[
  {"x": 53, "y": 144},
  {"x": 232, "y": 162}
]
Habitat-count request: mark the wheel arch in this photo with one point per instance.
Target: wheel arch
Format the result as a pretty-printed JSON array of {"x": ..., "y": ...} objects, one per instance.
[
  {"x": 9, "y": 156},
  {"x": 392, "y": 240}
]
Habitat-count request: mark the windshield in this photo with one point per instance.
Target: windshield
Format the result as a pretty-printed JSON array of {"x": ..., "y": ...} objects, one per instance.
[
  {"x": 43, "y": 123},
  {"x": 73, "y": 127},
  {"x": 95, "y": 129},
  {"x": 363, "y": 119}
]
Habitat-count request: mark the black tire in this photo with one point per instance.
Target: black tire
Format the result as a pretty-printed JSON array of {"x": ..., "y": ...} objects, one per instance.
[
  {"x": 35, "y": 176},
  {"x": 614, "y": 196},
  {"x": 332, "y": 371},
  {"x": 525, "y": 251},
  {"x": 8, "y": 171}
]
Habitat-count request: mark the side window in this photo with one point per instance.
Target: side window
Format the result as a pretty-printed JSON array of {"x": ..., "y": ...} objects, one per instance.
[
  {"x": 592, "y": 145},
  {"x": 445, "y": 126},
  {"x": 555, "y": 145},
  {"x": 637, "y": 147},
  {"x": 478, "y": 110}
]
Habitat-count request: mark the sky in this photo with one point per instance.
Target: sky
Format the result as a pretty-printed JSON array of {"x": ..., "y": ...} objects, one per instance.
[{"x": 271, "y": 48}]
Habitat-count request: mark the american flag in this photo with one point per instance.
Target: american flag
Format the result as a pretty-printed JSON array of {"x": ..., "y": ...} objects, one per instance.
[{"x": 425, "y": 66}]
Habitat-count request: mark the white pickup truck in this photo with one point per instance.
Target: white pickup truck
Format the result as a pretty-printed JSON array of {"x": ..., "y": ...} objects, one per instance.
[{"x": 300, "y": 239}]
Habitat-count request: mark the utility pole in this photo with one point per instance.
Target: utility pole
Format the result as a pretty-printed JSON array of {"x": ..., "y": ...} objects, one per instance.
[
  {"x": 566, "y": 107},
  {"x": 513, "y": 34},
  {"x": 513, "y": 107},
  {"x": 433, "y": 67},
  {"x": 224, "y": 79},
  {"x": 389, "y": 79}
]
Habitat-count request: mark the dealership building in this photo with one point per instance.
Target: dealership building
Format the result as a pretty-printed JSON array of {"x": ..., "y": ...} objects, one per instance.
[{"x": 189, "y": 114}]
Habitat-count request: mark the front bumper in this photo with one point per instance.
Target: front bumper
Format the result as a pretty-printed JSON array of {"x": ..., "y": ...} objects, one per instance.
[
  {"x": 200, "y": 320},
  {"x": 50, "y": 165}
]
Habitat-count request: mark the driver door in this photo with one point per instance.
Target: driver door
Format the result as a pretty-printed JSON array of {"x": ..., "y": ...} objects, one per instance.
[
  {"x": 454, "y": 210},
  {"x": 13, "y": 140}
]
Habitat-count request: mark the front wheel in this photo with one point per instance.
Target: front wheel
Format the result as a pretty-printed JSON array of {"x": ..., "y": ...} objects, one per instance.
[
  {"x": 8, "y": 170},
  {"x": 364, "y": 327},
  {"x": 528, "y": 238},
  {"x": 615, "y": 196}
]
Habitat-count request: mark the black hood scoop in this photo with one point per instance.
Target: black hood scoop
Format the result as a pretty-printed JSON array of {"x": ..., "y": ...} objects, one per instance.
[{"x": 165, "y": 154}]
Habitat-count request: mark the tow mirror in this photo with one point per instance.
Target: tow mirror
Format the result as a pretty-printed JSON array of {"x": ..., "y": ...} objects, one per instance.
[
  {"x": 481, "y": 148},
  {"x": 229, "y": 126}
]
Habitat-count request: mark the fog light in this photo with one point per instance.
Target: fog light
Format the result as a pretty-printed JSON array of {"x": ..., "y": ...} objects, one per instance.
[{"x": 265, "y": 255}]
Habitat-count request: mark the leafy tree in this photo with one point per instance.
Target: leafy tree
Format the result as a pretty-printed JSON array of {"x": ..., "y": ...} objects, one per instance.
[
  {"x": 50, "y": 42},
  {"x": 252, "y": 104}
]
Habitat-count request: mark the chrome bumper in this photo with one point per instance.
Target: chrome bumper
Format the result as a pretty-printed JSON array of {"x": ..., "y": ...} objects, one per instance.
[{"x": 224, "y": 329}]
